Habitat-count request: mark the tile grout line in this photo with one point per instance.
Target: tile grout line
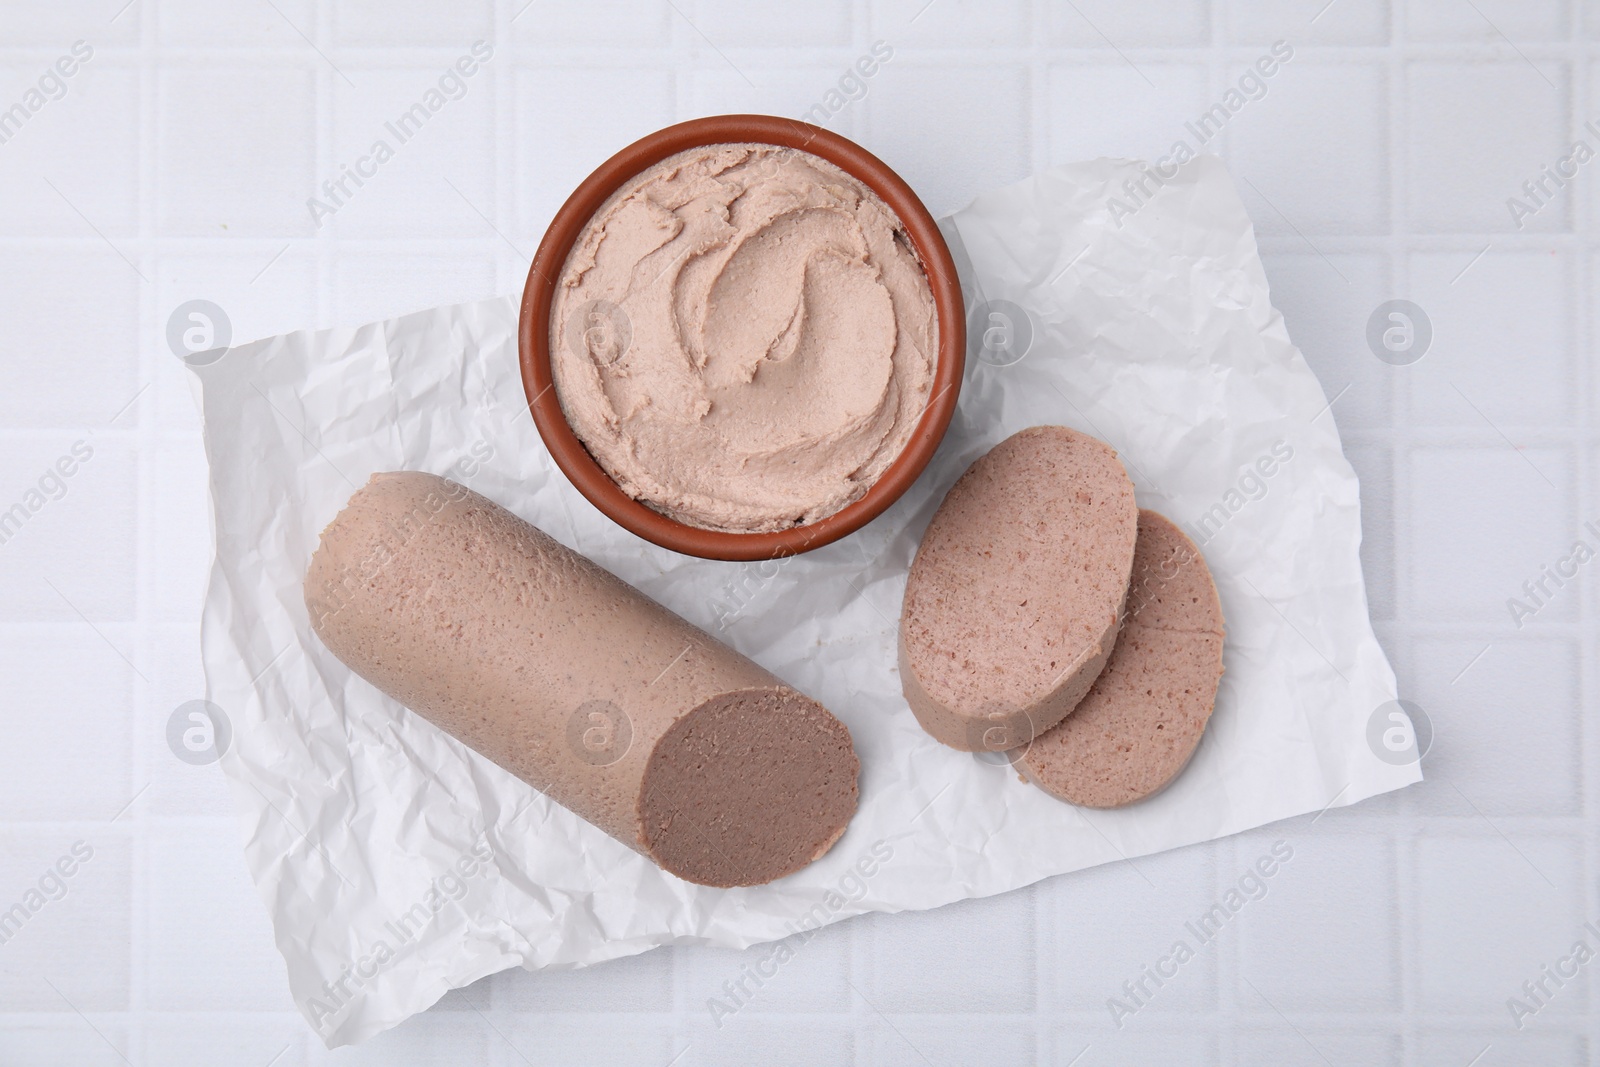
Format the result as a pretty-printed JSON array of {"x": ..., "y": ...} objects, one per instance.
[
  {"x": 1581, "y": 338},
  {"x": 144, "y": 702},
  {"x": 328, "y": 309},
  {"x": 1399, "y": 401}
]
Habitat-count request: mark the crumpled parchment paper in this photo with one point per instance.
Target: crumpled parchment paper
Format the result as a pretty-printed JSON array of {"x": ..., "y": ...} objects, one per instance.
[{"x": 396, "y": 864}]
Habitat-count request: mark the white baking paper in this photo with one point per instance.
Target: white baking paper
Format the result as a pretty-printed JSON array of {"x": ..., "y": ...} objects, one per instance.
[{"x": 396, "y": 864}]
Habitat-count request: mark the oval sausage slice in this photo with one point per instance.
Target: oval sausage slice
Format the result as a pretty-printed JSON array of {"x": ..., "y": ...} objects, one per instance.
[
  {"x": 1012, "y": 604},
  {"x": 569, "y": 678},
  {"x": 1142, "y": 720}
]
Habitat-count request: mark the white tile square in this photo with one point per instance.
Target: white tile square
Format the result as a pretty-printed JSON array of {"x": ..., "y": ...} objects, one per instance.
[
  {"x": 1325, "y": 936},
  {"x": 1587, "y": 191},
  {"x": 976, "y": 953},
  {"x": 633, "y": 984},
  {"x": 1107, "y": 24},
  {"x": 56, "y": 26},
  {"x": 175, "y": 787},
  {"x": 74, "y": 885},
  {"x": 180, "y": 518},
  {"x": 210, "y": 947},
  {"x": 1140, "y": 911},
  {"x": 69, "y": 523},
  {"x": 264, "y": 291},
  {"x": 196, "y": 23},
  {"x": 977, "y": 141},
  {"x": 1506, "y": 733},
  {"x": 816, "y": 94},
  {"x": 567, "y": 125},
  {"x": 264, "y": 288},
  {"x": 1325, "y": 303},
  {"x": 371, "y": 287},
  {"x": 1345, "y": 22},
  {"x": 771, "y": 1043},
  {"x": 199, "y": 1040},
  {"x": 1190, "y": 1046},
  {"x": 1059, "y": 1043},
  {"x": 173, "y": 397},
  {"x": 595, "y": 24},
  {"x": 236, "y": 150},
  {"x": 46, "y": 332},
  {"x": 1498, "y": 1044},
  {"x": 1591, "y": 313},
  {"x": 67, "y": 757},
  {"x": 1317, "y": 1048},
  {"x": 69, "y": 1042},
  {"x": 407, "y": 136},
  {"x": 546, "y": 1040},
  {"x": 1316, "y": 144},
  {"x": 1482, "y": 521},
  {"x": 804, "y": 973},
  {"x": 424, "y": 1040},
  {"x": 73, "y": 167},
  {"x": 361, "y": 25},
  {"x": 1465, "y": 158},
  {"x": 1486, "y": 919},
  {"x": 972, "y": 1041},
  {"x": 1487, "y": 21},
  {"x": 1106, "y": 108},
  {"x": 734, "y": 24},
  {"x": 950, "y": 23},
  {"x": 1501, "y": 336}
]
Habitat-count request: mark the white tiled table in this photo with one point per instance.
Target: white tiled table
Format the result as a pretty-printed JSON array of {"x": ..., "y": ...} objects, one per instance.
[{"x": 177, "y": 166}]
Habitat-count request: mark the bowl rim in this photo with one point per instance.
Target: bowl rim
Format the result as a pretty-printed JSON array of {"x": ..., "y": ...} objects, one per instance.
[{"x": 570, "y": 454}]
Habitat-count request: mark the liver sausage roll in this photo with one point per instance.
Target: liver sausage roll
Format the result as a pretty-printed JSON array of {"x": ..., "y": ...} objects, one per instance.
[
  {"x": 1014, "y": 597},
  {"x": 569, "y": 678},
  {"x": 1142, "y": 720}
]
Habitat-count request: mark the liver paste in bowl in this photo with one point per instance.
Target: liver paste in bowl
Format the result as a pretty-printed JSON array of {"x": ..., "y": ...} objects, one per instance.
[{"x": 743, "y": 338}]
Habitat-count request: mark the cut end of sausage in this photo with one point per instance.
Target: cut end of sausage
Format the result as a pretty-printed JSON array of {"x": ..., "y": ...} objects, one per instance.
[
  {"x": 1012, "y": 604},
  {"x": 748, "y": 787},
  {"x": 557, "y": 671},
  {"x": 1143, "y": 719}
]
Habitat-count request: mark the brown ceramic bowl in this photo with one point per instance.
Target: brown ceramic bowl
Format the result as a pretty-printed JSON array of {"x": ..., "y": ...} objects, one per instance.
[{"x": 534, "y": 336}]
